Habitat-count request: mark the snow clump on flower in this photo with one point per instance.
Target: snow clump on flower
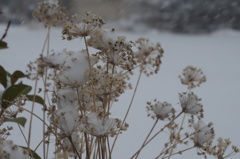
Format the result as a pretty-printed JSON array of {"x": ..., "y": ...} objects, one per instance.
[
  {"x": 68, "y": 120},
  {"x": 67, "y": 97},
  {"x": 10, "y": 151},
  {"x": 73, "y": 66},
  {"x": 203, "y": 133},
  {"x": 100, "y": 126},
  {"x": 114, "y": 49},
  {"x": 161, "y": 110},
  {"x": 190, "y": 103}
]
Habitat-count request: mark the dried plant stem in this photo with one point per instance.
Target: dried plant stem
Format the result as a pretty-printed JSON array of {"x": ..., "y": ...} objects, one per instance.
[
  {"x": 34, "y": 115},
  {"x": 88, "y": 54},
  {"x": 109, "y": 149},
  {"x": 178, "y": 137},
  {"x": 90, "y": 69},
  {"x": 87, "y": 148},
  {"x": 147, "y": 138},
  {"x": 22, "y": 133},
  {"x": 44, "y": 99},
  {"x": 157, "y": 134},
  {"x": 129, "y": 107},
  {"x": 179, "y": 152},
  {"x": 34, "y": 94},
  {"x": 70, "y": 139},
  {"x": 24, "y": 138}
]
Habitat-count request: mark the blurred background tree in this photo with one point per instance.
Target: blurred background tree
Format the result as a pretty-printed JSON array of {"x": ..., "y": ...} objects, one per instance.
[{"x": 185, "y": 16}]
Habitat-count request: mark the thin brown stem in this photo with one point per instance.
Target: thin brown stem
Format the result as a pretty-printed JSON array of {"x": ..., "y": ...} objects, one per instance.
[
  {"x": 88, "y": 55},
  {"x": 74, "y": 148},
  {"x": 179, "y": 152},
  {"x": 128, "y": 110},
  {"x": 155, "y": 123},
  {"x": 34, "y": 95},
  {"x": 87, "y": 146},
  {"x": 44, "y": 98},
  {"x": 178, "y": 137},
  {"x": 157, "y": 133}
]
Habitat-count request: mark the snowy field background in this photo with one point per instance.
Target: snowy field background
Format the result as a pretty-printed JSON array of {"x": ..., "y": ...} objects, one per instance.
[{"x": 217, "y": 54}]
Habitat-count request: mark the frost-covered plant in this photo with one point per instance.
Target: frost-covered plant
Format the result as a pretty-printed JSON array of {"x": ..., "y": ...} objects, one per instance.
[{"x": 81, "y": 87}]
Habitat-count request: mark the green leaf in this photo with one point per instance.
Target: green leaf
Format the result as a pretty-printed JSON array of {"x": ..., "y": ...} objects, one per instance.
[
  {"x": 13, "y": 92},
  {"x": 3, "y": 45},
  {"x": 35, "y": 155},
  {"x": 20, "y": 120},
  {"x": 3, "y": 77},
  {"x": 38, "y": 99},
  {"x": 16, "y": 75}
]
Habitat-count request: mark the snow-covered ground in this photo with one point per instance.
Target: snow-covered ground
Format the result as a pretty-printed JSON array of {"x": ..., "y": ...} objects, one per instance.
[{"x": 217, "y": 54}]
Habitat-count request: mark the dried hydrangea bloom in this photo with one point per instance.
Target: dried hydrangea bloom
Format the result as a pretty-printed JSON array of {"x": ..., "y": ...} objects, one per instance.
[
  {"x": 83, "y": 27},
  {"x": 203, "y": 133},
  {"x": 10, "y": 151},
  {"x": 192, "y": 77},
  {"x": 67, "y": 119},
  {"x": 50, "y": 12},
  {"x": 114, "y": 49},
  {"x": 100, "y": 126},
  {"x": 161, "y": 110},
  {"x": 148, "y": 55},
  {"x": 190, "y": 103}
]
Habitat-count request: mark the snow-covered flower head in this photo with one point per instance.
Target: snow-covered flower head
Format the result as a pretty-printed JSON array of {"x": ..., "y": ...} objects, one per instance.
[
  {"x": 190, "y": 103},
  {"x": 114, "y": 49},
  {"x": 67, "y": 119},
  {"x": 67, "y": 146},
  {"x": 10, "y": 151},
  {"x": 148, "y": 55},
  {"x": 192, "y": 77},
  {"x": 84, "y": 27},
  {"x": 73, "y": 66},
  {"x": 100, "y": 126},
  {"x": 67, "y": 97},
  {"x": 161, "y": 110},
  {"x": 203, "y": 133},
  {"x": 50, "y": 12}
]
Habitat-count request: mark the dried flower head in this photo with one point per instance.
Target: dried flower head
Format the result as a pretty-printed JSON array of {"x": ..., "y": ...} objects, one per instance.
[
  {"x": 97, "y": 125},
  {"x": 67, "y": 97},
  {"x": 50, "y": 12},
  {"x": 192, "y": 77},
  {"x": 190, "y": 103},
  {"x": 67, "y": 119},
  {"x": 72, "y": 67},
  {"x": 161, "y": 110},
  {"x": 114, "y": 49},
  {"x": 148, "y": 55},
  {"x": 83, "y": 27},
  {"x": 67, "y": 146},
  {"x": 203, "y": 133},
  {"x": 220, "y": 150},
  {"x": 107, "y": 84}
]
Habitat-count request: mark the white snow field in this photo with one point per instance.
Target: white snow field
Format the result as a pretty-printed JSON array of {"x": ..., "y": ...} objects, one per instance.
[{"x": 217, "y": 54}]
